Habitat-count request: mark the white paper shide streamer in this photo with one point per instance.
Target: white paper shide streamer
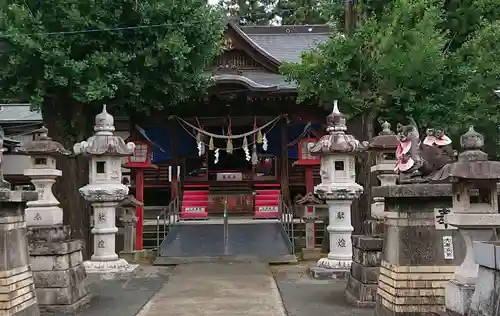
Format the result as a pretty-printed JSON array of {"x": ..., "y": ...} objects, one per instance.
[
  {"x": 246, "y": 150},
  {"x": 216, "y": 156}
]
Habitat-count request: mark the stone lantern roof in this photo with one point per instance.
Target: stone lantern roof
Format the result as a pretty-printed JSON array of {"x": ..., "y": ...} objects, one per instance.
[
  {"x": 104, "y": 142},
  {"x": 42, "y": 145},
  {"x": 130, "y": 202},
  {"x": 336, "y": 141},
  {"x": 385, "y": 140},
  {"x": 309, "y": 199},
  {"x": 472, "y": 164}
]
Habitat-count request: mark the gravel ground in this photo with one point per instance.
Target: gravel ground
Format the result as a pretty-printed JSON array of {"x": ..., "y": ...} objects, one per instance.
[{"x": 304, "y": 296}]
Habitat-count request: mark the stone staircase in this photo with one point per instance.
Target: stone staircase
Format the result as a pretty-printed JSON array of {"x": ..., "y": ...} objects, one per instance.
[{"x": 150, "y": 233}]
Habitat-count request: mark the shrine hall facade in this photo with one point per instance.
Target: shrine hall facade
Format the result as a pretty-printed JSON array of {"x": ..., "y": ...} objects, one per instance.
[{"x": 244, "y": 146}]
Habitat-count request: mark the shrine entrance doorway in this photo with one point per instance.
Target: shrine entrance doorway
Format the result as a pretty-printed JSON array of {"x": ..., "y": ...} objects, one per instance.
[
  {"x": 238, "y": 177},
  {"x": 230, "y": 185}
]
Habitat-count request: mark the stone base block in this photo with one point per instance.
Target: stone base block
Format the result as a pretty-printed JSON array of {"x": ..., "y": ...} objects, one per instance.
[
  {"x": 485, "y": 301},
  {"x": 364, "y": 274},
  {"x": 367, "y": 243},
  {"x": 325, "y": 274},
  {"x": 360, "y": 294},
  {"x": 52, "y": 234},
  {"x": 67, "y": 309},
  {"x": 362, "y": 285},
  {"x": 412, "y": 290},
  {"x": 373, "y": 228},
  {"x": 17, "y": 293},
  {"x": 60, "y": 278},
  {"x": 311, "y": 254},
  {"x": 458, "y": 297},
  {"x": 367, "y": 250},
  {"x": 114, "y": 266}
]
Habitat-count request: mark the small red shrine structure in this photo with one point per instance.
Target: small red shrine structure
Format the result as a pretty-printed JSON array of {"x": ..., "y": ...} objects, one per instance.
[
  {"x": 304, "y": 144},
  {"x": 138, "y": 162}
]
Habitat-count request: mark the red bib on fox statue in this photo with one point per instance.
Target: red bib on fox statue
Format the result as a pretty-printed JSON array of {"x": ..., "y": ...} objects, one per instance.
[{"x": 416, "y": 159}]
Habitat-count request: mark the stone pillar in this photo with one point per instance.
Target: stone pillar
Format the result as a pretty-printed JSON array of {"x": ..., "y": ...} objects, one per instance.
[
  {"x": 476, "y": 217},
  {"x": 420, "y": 253},
  {"x": 56, "y": 259},
  {"x": 339, "y": 189},
  {"x": 16, "y": 278},
  {"x": 362, "y": 286},
  {"x": 105, "y": 191}
]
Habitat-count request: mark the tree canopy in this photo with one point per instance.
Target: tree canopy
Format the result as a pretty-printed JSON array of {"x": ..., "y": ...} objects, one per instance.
[
  {"x": 249, "y": 12},
  {"x": 410, "y": 59},
  {"x": 139, "y": 54}
]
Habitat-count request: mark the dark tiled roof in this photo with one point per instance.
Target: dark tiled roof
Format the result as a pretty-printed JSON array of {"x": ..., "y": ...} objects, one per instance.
[
  {"x": 286, "y": 43},
  {"x": 18, "y": 113}
]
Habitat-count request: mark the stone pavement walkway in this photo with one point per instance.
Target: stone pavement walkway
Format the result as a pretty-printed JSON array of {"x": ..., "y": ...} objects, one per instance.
[
  {"x": 222, "y": 289},
  {"x": 304, "y": 296}
]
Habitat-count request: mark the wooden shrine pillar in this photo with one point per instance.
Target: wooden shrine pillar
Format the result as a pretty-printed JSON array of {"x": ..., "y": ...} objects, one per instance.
[
  {"x": 174, "y": 189},
  {"x": 284, "y": 177}
]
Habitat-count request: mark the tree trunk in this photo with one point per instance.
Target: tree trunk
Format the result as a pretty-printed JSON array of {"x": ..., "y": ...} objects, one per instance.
[
  {"x": 364, "y": 175},
  {"x": 68, "y": 124}
]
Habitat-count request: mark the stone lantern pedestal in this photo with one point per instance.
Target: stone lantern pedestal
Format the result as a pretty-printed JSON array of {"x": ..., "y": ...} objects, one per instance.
[
  {"x": 105, "y": 191},
  {"x": 476, "y": 217},
  {"x": 367, "y": 249},
  {"x": 56, "y": 259},
  {"x": 17, "y": 287},
  {"x": 338, "y": 188}
]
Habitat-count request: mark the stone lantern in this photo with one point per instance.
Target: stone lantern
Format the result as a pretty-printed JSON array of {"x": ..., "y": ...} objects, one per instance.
[
  {"x": 384, "y": 147},
  {"x": 475, "y": 216},
  {"x": 50, "y": 240},
  {"x": 43, "y": 173},
  {"x": 105, "y": 191},
  {"x": 338, "y": 187}
]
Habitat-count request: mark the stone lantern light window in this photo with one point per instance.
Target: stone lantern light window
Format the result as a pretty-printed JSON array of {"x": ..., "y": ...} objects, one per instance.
[
  {"x": 339, "y": 165},
  {"x": 40, "y": 161},
  {"x": 100, "y": 167}
]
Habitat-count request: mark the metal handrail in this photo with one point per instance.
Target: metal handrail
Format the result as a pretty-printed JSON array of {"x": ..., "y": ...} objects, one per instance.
[
  {"x": 170, "y": 216},
  {"x": 286, "y": 220}
]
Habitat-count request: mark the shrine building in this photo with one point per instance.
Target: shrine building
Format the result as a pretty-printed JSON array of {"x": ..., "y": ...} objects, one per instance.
[{"x": 242, "y": 149}]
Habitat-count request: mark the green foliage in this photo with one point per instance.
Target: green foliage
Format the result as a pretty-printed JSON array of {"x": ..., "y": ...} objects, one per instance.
[
  {"x": 386, "y": 64},
  {"x": 293, "y": 12},
  {"x": 464, "y": 17},
  {"x": 409, "y": 60},
  {"x": 249, "y": 12},
  {"x": 137, "y": 68}
]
